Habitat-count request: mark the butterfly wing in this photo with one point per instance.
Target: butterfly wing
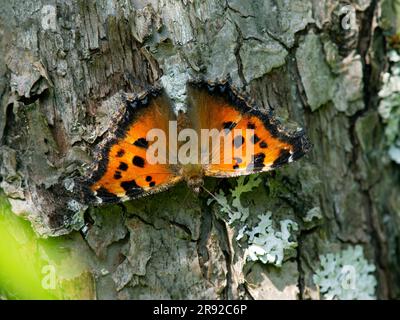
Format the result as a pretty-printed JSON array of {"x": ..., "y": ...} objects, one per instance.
[
  {"x": 122, "y": 170},
  {"x": 258, "y": 142}
]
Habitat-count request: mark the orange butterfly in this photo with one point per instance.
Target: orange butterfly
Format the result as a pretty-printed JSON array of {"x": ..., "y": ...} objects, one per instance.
[{"x": 123, "y": 170}]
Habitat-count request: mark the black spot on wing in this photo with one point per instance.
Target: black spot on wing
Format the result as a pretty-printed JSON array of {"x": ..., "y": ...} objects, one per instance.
[
  {"x": 149, "y": 178},
  {"x": 255, "y": 139},
  {"x": 251, "y": 125},
  {"x": 138, "y": 161},
  {"x": 120, "y": 153},
  {"x": 236, "y": 166},
  {"x": 123, "y": 166},
  {"x": 282, "y": 159},
  {"x": 152, "y": 184},
  {"x": 117, "y": 175},
  {"x": 238, "y": 141},
  {"x": 131, "y": 188},
  {"x": 229, "y": 125},
  {"x": 263, "y": 145},
  {"x": 257, "y": 162},
  {"x": 128, "y": 185},
  {"x": 142, "y": 143},
  {"x": 106, "y": 196}
]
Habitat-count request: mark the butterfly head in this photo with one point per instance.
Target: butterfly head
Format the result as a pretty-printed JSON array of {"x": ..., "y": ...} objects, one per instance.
[
  {"x": 193, "y": 175},
  {"x": 195, "y": 183}
]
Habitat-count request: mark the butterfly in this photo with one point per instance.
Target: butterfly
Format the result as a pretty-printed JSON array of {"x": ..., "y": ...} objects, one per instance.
[{"x": 122, "y": 169}]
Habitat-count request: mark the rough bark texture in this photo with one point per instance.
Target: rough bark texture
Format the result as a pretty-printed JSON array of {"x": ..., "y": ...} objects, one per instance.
[{"x": 62, "y": 64}]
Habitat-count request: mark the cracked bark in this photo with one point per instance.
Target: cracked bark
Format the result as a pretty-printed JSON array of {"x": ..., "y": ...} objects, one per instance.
[{"x": 60, "y": 74}]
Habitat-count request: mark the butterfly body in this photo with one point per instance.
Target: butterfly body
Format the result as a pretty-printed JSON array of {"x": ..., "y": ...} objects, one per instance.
[
  {"x": 193, "y": 174},
  {"x": 222, "y": 134}
]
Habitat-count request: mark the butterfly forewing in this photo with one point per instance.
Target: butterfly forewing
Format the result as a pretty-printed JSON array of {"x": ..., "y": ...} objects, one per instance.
[
  {"x": 122, "y": 170},
  {"x": 256, "y": 141}
]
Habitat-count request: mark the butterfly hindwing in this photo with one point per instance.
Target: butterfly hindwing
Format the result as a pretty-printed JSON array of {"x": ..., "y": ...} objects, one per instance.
[
  {"x": 122, "y": 171},
  {"x": 218, "y": 105}
]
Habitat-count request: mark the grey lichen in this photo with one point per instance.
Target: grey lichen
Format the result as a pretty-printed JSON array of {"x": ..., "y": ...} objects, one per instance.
[
  {"x": 268, "y": 245},
  {"x": 174, "y": 81},
  {"x": 238, "y": 212},
  {"x": 265, "y": 243},
  {"x": 389, "y": 107},
  {"x": 346, "y": 275}
]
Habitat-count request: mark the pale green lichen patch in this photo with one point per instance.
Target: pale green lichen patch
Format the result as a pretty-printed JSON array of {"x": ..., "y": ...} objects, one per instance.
[
  {"x": 267, "y": 242},
  {"x": 346, "y": 275},
  {"x": 389, "y": 107},
  {"x": 237, "y": 212}
]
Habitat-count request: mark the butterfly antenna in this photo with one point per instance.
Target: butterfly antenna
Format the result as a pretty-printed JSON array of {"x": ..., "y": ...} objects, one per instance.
[{"x": 218, "y": 201}]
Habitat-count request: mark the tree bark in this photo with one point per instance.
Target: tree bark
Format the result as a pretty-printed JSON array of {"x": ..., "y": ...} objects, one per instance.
[{"x": 62, "y": 67}]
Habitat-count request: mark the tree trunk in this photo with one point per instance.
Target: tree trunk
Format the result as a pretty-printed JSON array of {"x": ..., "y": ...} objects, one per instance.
[{"x": 62, "y": 66}]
